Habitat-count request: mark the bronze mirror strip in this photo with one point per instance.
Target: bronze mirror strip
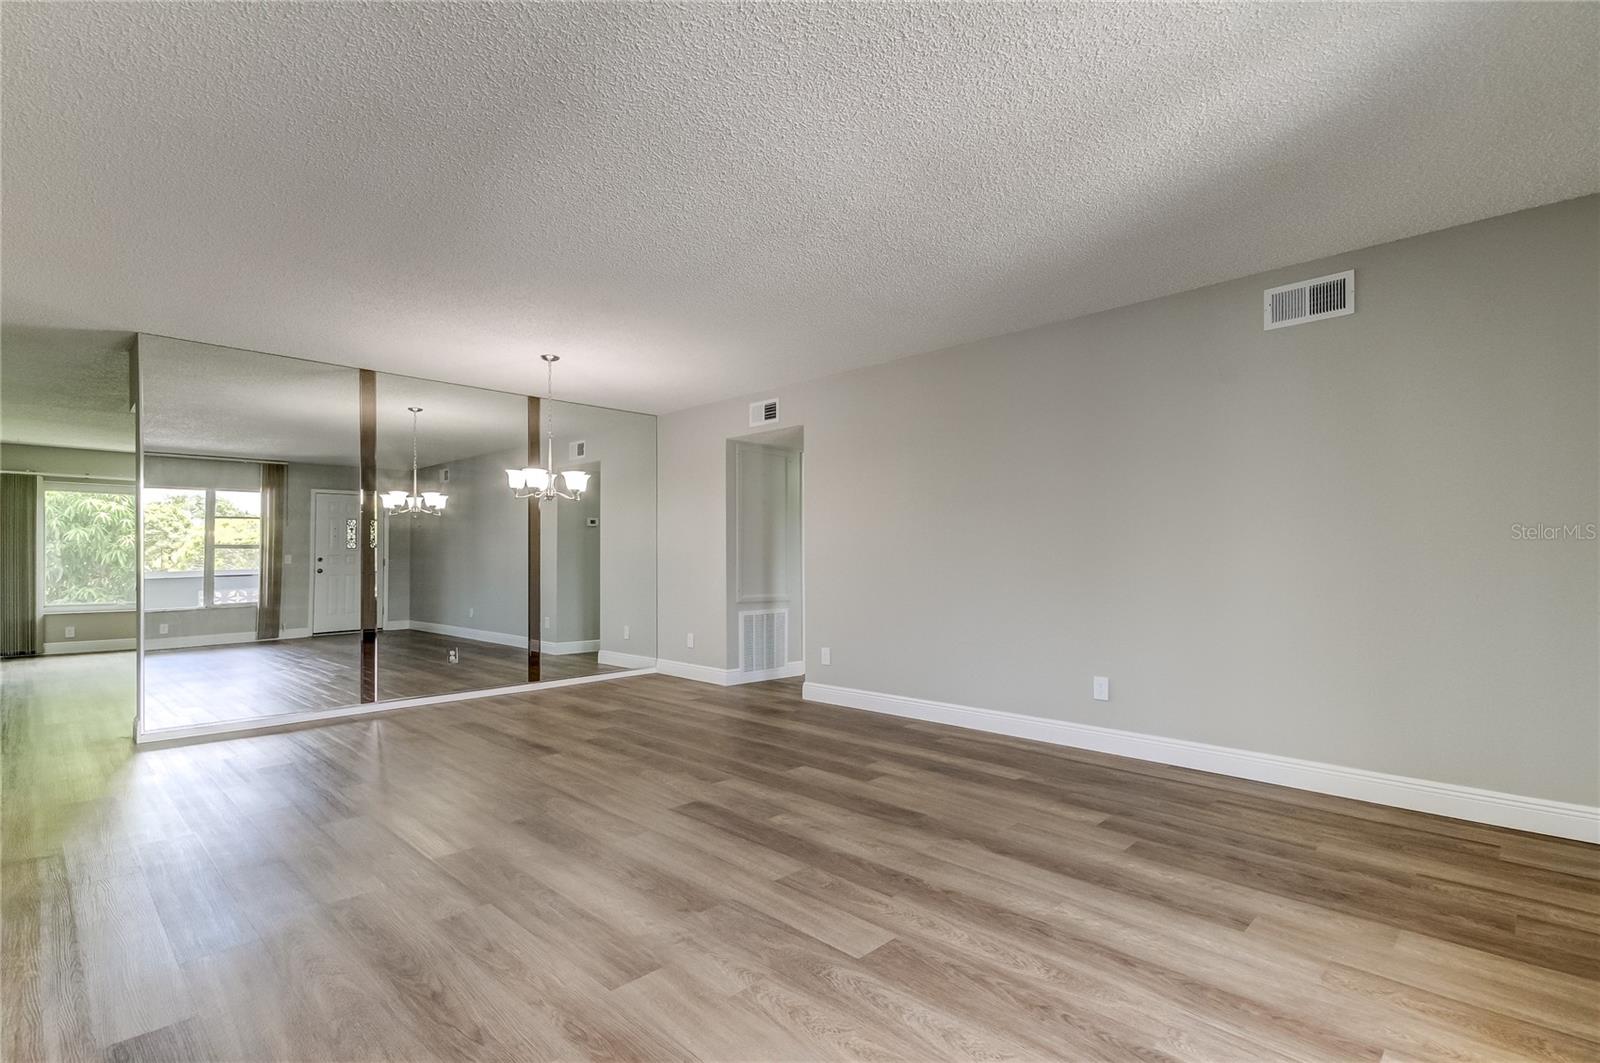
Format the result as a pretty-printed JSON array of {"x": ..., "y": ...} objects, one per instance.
[{"x": 369, "y": 522}]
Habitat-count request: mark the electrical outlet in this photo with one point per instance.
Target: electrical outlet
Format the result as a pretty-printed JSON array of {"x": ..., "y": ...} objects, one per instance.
[
  {"x": 625, "y": 635},
  {"x": 827, "y": 655},
  {"x": 690, "y": 640},
  {"x": 288, "y": 559},
  {"x": 547, "y": 623},
  {"x": 1102, "y": 688},
  {"x": 72, "y": 631},
  {"x": 471, "y": 612},
  {"x": 455, "y": 655},
  {"x": 164, "y": 628}
]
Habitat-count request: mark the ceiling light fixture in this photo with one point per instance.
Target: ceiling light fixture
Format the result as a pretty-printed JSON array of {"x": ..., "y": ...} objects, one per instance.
[
  {"x": 545, "y": 483},
  {"x": 417, "y": 503}
]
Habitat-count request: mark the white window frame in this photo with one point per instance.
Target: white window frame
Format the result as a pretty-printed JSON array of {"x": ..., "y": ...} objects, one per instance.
[
  {"x": 208, "y": 570},
  {"x": 211, "y": 550},
  {"x": 96, "y": 487}
]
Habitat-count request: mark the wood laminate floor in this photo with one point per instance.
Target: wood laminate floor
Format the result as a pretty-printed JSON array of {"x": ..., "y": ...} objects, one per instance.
[
  {"x": 255, "y": 680},
  {"x": 654, "y": 869}
]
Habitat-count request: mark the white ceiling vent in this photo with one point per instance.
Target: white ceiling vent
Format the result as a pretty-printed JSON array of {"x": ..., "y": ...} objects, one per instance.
[
  {"x": 1313, "y": 300},
  {"x": 764, "y": 412}
]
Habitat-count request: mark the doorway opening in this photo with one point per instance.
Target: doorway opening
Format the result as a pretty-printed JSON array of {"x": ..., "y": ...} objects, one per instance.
[{"x": 766, "y": 556}]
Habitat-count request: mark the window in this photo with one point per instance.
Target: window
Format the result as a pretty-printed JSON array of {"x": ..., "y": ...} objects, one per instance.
[
  {"x": 201, "y": 547},
  {"x": 236, "y": 554},
  {"x": 174, "y": 548},
  {"x": 89, "y": 551}
]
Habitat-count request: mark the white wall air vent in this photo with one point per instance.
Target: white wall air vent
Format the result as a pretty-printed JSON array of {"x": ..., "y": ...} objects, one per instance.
[
  {"x": 764, "y": 412},
  {"x": 763, "y": 640},
  {"x": 578, "y": 448},
  {"x": 1313, "y": 300}
]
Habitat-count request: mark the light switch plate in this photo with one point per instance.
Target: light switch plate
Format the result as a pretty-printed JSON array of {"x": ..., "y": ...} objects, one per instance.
[
  {"x": 827, "y": 655},
  {"x": 1102, "y": 688}
]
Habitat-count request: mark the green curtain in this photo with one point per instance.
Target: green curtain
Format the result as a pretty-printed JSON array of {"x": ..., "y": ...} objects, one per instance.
[
  {"x": 269, "y": 606},
  {"x": 19, "y": 547}
]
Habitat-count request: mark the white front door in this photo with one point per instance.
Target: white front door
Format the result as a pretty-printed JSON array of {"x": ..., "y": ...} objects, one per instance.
[{"x": 336, "y": 548}]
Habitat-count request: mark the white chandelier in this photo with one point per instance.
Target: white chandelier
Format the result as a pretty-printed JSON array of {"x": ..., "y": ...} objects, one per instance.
[
  {"x": 544, "y": 483},
  {"x": 417, "y": 503}
]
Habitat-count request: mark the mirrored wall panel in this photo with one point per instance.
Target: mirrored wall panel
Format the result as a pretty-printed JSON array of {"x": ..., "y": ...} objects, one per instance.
[
  {"x": 248, "y": 505},
  {"x": 454, "y": 590},
  {"x": 598, "y": 551},
  {"x": 324, "y": 539}
]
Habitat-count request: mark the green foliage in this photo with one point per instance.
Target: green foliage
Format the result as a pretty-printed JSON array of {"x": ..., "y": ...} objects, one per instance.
[
  {"x": 90, "y": 541},
  {"x": 175, "y": 532},
  {"x": 89, "y": 547}
]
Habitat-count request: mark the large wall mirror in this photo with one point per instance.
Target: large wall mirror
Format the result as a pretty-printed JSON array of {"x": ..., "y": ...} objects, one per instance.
[
  {"x": 320, "y": 540},
  {"x": 598, "y": 557}
]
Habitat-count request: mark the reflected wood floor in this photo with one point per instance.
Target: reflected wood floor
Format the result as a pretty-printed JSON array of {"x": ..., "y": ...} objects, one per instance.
[
  {"x": 654, "y": 869},
  {"x": 251, "y": 680}
]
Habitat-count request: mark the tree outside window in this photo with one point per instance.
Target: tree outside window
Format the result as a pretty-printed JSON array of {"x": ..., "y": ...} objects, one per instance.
[
  {"x": 89, "y": 545},
  {"x": 185, "y": 566},
  {"x": 236, "y": 553}
]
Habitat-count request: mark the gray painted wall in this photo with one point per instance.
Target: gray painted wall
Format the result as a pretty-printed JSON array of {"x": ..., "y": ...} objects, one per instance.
[
  {"x": 1300, "y": 542},
  {"x": 469, "y": 568},
  {"x": 622, "y": 446},
  {"x": 98, "y": 626},
  {"x": 570, "y": 562}
]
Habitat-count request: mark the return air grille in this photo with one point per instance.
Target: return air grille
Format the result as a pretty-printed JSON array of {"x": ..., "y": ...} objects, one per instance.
[
  {"x": 763, "y": 640},
  {"x": 763, "y": 412},
  {"x": 1313, "y": 300}
]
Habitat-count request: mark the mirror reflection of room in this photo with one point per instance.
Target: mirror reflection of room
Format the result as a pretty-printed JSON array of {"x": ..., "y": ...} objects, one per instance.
[
  {"x": 598, "y": 552},
  {"x": 453, "y": 577},
  {"x": 269, "y": 595},
  {"x": 249, "y": 512}
]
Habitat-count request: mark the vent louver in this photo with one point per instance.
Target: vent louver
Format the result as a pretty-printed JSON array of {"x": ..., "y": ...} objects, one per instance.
[
  {"x": 577, "y": 448},
  {"x": 763, "y": 640},
  {"x": 1312, "y": 300},
  {"x": 763, "y": 412}
]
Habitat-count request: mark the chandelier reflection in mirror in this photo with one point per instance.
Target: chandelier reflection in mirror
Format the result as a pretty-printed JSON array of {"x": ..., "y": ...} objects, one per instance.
[
  {"x": 417, "y": 503},
  {"x": 545, "y": 483}
]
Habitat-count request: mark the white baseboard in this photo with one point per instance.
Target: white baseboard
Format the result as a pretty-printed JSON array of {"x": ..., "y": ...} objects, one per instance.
[
  {"x": 1557, "y": 818},
  {"x": 498, "y": 638},
  {"x": 268, "y": 725},
  {"x": 619, "y": 659},
  {"x": 89, "y": 646},
  {"x": 727, "y": 677},
  {"x": 224, "y": 638},
  {"x": 560, "y": 648}
]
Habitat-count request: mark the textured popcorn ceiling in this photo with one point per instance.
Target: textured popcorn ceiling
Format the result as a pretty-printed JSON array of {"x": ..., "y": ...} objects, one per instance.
[{"x": 690, "y": 202}]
